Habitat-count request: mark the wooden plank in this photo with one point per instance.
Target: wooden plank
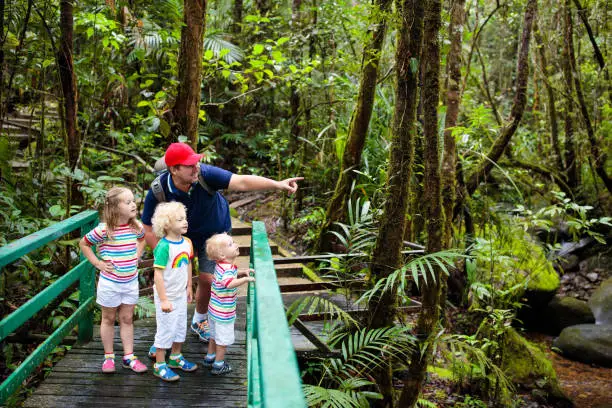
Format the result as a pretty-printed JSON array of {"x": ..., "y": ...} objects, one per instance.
[
  {"x": 314, "y": 286},
  {"x": 13, "y": 321},
  {"x": 355, "y": 313},
  {"x": 27, "y": 366},
  {"x": 314, "y": 258},
  {"x": 244, "y": 201},
  {"x": 23, "y": 246}
]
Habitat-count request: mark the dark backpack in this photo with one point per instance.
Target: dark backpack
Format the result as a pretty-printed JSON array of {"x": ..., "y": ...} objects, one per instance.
[{"x": 156, "y": 186}]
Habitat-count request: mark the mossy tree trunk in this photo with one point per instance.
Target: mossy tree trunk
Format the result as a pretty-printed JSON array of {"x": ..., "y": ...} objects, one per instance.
[
  {"x": 360, "y": 120},
  {"x": 237, "y": 10},
  {"x": 186, "y": 110},
  {"x": 550, "y": 98},
  {"x": 518, "y": 105},
  {"x": 449, "y": 157},
  {"x": 387, "y": 251},
  {"x": 69, "y": 106},
  {"x": 432, "y": 198},
  {"x": 597, "y": 155},
  {"x": 571, "y": 159},
  {"x": 453, "y": 101}
]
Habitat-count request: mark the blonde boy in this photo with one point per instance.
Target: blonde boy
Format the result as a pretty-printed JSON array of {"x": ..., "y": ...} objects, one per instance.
[{"x": 222, "y": 249}]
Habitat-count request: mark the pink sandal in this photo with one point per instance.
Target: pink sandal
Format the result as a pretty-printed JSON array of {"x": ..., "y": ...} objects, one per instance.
[
  {"x": 108, "y": 366},
  {"x": 134, "y": 364}
]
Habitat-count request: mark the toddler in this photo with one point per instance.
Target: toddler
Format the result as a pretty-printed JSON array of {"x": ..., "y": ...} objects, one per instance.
[{"x": 222, "y": 249}]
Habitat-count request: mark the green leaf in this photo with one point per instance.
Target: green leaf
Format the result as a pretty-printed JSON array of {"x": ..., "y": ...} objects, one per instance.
[
  {"x": 209, "y": 54},
  {"x": 282, "y": 40},
  {"x": 143, "y": 103},
  {"x": 258, "y": 49}
]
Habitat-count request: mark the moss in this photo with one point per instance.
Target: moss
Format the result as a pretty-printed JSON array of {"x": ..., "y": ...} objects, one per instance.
[
  {"x": 512, "y": 258},
  {"x": 310, "y": 274},
  {"x": 441, "y": 372},
  {"x": 526, "y": 364}
]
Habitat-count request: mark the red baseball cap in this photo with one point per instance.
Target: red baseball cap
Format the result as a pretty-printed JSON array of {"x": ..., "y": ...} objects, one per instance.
[{"x": 181, "y": 153}]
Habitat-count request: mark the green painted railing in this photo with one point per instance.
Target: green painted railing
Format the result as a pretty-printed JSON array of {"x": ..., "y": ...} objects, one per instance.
[
  {"x": 84, "y": 272},
  {"x": 273, "y": 374}
]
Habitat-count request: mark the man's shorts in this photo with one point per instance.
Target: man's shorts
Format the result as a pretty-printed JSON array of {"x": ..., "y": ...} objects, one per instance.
[
  {"x": 222, "y": 333},
  {"x": 171, "y": 326},
  {"x": 204, "y": 264},
  {"x": 113, "y": 294}
]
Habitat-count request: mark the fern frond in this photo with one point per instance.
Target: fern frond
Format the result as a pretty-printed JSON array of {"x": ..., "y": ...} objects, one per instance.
[
  {"x": 317, "y": 304},
  {"x": 215, "y": 43}
]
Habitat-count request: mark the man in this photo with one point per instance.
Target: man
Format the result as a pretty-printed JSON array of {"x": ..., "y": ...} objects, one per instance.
[{"x": 207, "y": 211}]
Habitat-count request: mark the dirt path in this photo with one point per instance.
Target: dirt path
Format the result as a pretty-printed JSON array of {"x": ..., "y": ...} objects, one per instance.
[{"x": 587, "y": 386}]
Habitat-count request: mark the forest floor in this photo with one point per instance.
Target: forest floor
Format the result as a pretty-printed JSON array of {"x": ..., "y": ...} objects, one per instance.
[{"x": 587, "y": 386}]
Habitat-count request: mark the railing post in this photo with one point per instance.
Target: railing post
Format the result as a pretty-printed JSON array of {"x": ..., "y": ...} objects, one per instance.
[{"x": 87, "y": 283}]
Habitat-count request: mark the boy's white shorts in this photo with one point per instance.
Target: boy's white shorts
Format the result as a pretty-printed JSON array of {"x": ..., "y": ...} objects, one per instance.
[
  {"x": 113, "y": 294},
  {"x": 222, "y": 333},
  {"x": 171, "y": 326}
]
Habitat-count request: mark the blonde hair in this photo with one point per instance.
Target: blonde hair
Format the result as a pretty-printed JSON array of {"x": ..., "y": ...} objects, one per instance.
[
  {"x": 164, "y": 215},
  {"x": 214, "y": 246},
  {"x": 110, "y": 213}
]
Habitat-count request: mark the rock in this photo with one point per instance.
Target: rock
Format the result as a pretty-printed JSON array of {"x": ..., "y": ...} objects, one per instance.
[
  {"x": 601, "y": 303},
  {"x": 565, "y": 311},
  {"x": 592, "y": 276},
  {"x": 588, "y": 343},
  {"x": 527, "y": 365}
]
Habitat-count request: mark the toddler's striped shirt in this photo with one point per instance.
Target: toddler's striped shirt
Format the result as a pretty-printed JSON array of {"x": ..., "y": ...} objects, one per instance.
[
  {"x": 119, "y": 250},
  {"x": 222, "y": 306}
]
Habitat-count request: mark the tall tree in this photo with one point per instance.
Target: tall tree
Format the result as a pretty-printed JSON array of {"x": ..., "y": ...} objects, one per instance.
[
  {"x": 453, "y": 100},
  {"x": 518, "y": 105},
  {"x": 387, "y": 251},
  {"x": 570, "y": 156},
  {"x": 360, "y": 120},
  {"x": 550, "y": 100},
  {"x": 598, "y": 156},
  {"x": 430, "y": 288},
  {"x": 186, "y": 110},
  {"x": 69, "y": 95}
]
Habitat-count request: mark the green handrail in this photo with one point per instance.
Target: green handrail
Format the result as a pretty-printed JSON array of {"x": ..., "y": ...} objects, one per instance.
[
  {"x": 272, "y": 369},
  {"x": 83, "y": 316}
]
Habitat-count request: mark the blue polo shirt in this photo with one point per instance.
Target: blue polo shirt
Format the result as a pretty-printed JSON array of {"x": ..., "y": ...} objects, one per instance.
[{"x": 207, "y": 215}]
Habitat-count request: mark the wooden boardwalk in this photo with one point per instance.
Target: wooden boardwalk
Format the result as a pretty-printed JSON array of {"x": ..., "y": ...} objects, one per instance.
[{"x": 77, "y": 380}]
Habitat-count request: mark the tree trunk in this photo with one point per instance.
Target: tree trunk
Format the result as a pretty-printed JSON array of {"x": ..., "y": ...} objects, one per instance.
[
  {"x": 430, "y": 310},
  {"x": 69, "y": 96},
  {"x": 453, "y": 100},
  {"x": 237, "y": 16},
  {"x": 571, "y": 165},
  {"x": 552, "y": 110},
  {"x": 582, "y": 12},
  {"x": 185, "y": 112},
  {"x": 360, "y": 121},
  {"x": 387, "y": 251},
  {"x": 598, "y": 156},
  {"x": 518, "y": 105}
]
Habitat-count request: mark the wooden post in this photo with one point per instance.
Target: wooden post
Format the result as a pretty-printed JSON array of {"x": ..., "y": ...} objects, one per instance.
[{"x": 86, "y": 290}]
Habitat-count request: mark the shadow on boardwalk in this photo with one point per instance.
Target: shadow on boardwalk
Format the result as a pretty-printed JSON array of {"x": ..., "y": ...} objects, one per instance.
[{"x": 77, "y": 380}]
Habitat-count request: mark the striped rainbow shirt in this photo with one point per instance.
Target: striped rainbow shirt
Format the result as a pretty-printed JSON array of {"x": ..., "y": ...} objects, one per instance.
[
  {"x": 119, "y": 250},
  {"x": 222, "y": 306}
]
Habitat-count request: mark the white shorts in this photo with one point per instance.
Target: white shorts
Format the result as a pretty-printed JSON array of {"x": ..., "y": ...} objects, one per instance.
[
  {"x": 171, "y": 326},
  {"x": 222, "y": 333},
  {"x": 113, "y": 294}
]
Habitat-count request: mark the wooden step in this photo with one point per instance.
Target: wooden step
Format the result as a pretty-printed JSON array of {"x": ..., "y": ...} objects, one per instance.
[
  {"x": 240, "y": 228},
  {"x": 282, "y": 271},
  {"x": 244, "y": 242}
]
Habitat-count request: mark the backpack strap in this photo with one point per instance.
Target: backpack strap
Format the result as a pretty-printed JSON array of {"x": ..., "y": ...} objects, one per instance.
[
  {"x": 160, "y": 195},
  {"x": 157, "y": 190},
  {"x": 205, "y": 186}
]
